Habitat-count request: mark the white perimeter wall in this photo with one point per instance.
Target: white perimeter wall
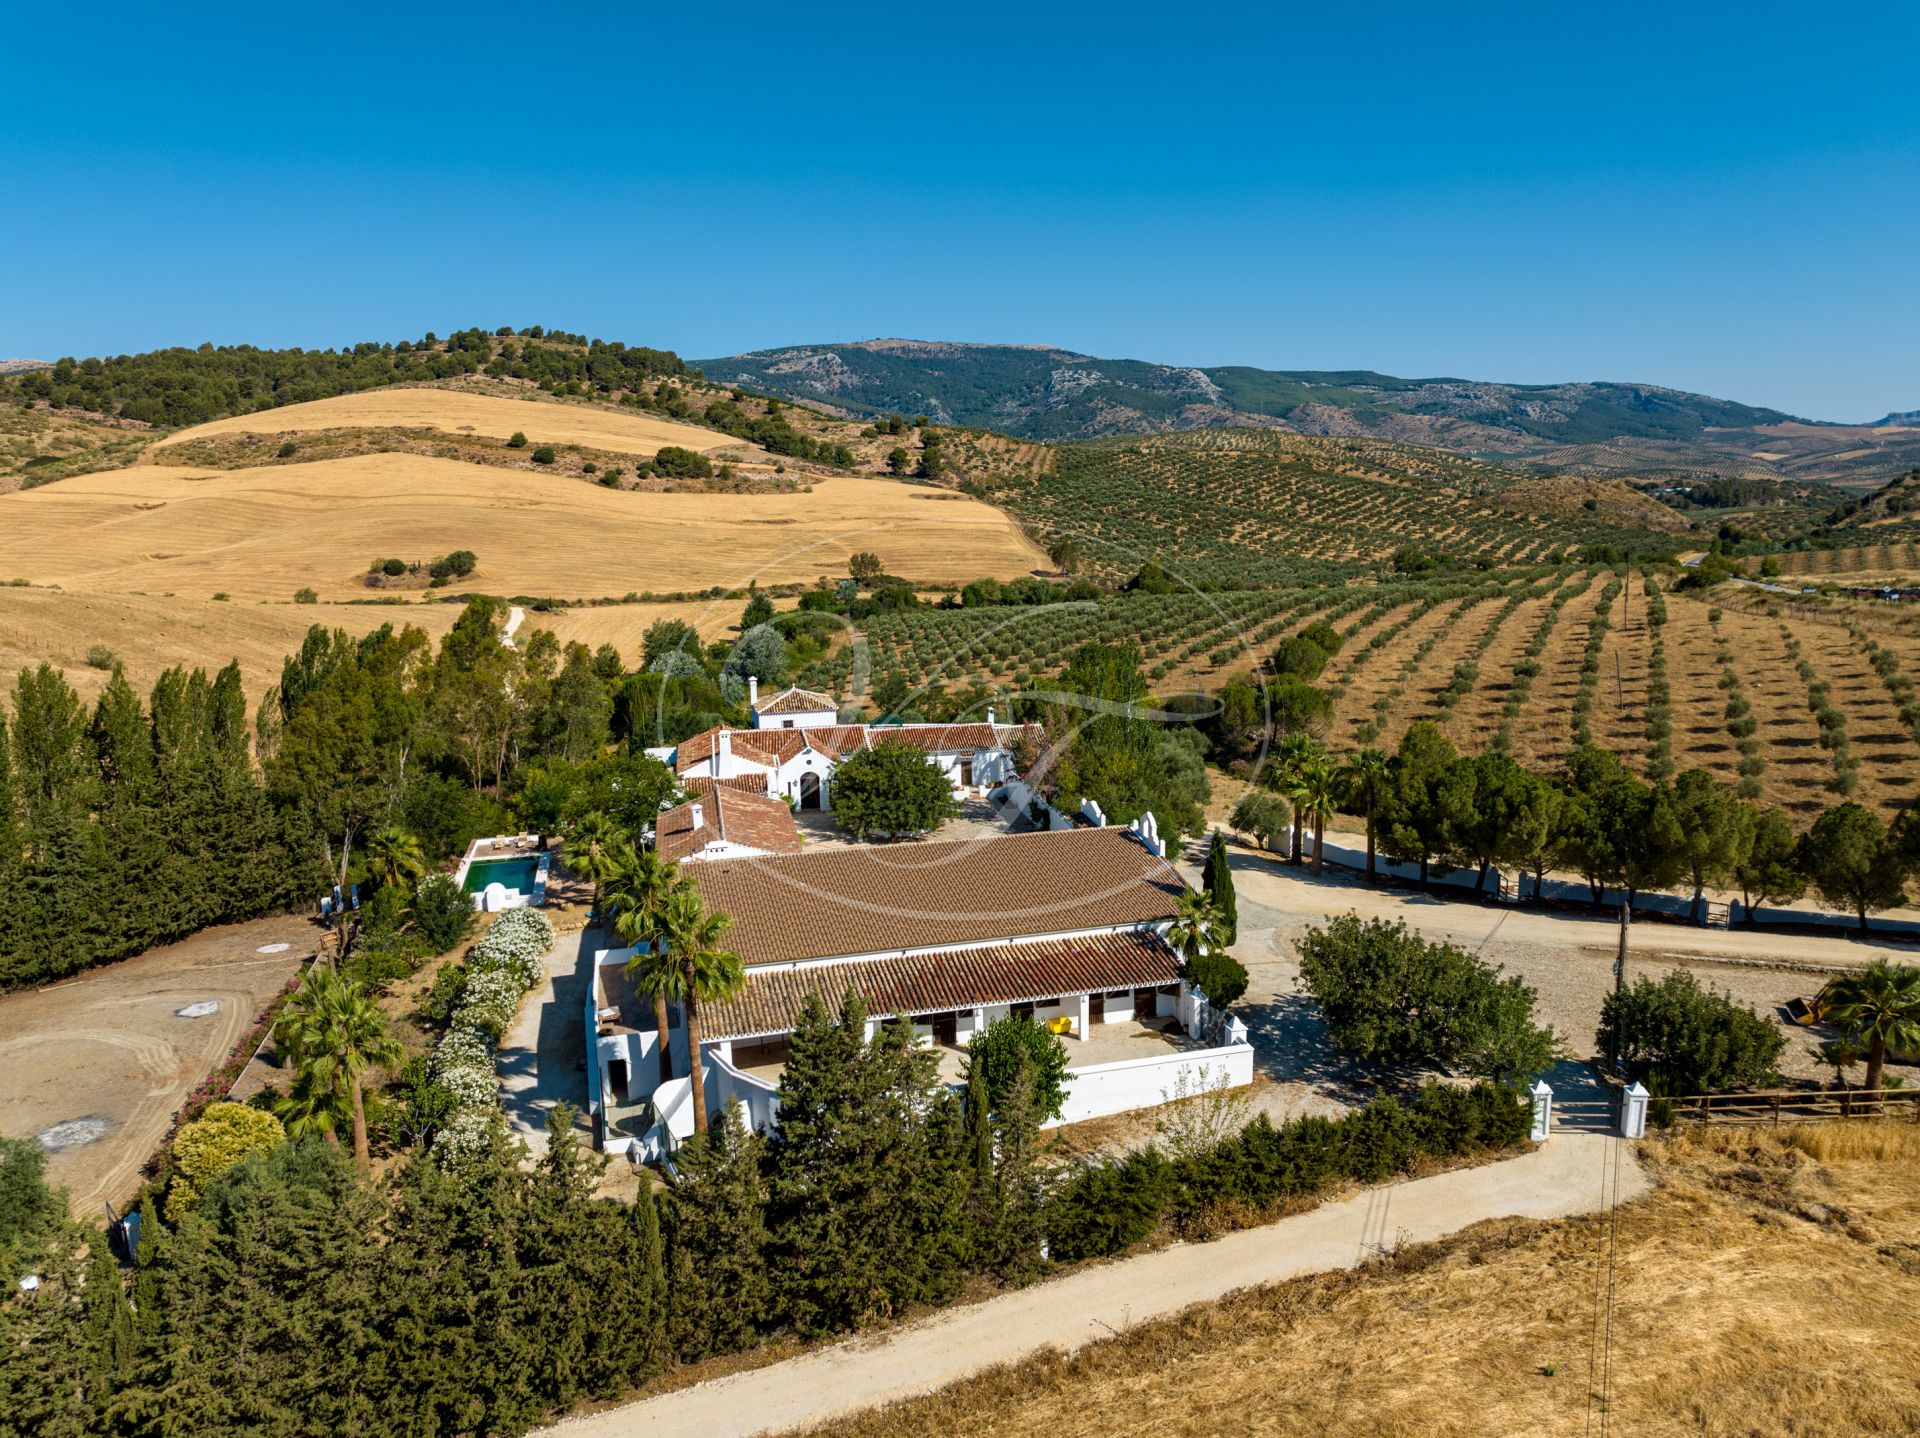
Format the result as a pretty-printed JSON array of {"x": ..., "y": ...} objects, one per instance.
[{"x": 1102, "y": 1089}]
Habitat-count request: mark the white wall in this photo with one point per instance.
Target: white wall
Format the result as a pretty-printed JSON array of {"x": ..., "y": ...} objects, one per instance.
[{"x": 1101, "y": 1089}]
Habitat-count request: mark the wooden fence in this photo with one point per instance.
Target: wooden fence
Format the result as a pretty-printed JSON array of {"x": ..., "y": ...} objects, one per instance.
[{"x": 1789, "y": 1106}]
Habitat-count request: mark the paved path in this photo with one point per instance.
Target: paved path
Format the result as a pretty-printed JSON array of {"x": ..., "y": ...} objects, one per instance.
[
  {"x": 542, "y": 1056},
  {"x": 1573, "y": 1173}
]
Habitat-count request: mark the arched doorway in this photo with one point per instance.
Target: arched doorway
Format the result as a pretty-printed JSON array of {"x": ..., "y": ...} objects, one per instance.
[{"x": 809, "y": 791}]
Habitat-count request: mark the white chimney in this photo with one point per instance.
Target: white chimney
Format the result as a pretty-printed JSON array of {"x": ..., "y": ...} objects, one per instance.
[
  {"x": 723, "y": 754},
  {"x": 699, "y": 815},
  {"x": 989, "y": 716},
  {"x": 753, "y": 691}
]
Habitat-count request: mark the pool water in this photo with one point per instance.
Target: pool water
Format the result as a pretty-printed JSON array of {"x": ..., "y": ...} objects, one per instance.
[{"x": 510, "y": 873}]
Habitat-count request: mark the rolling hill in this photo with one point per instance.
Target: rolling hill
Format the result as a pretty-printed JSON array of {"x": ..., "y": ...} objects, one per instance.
[{"x": 1041, "y": 392}]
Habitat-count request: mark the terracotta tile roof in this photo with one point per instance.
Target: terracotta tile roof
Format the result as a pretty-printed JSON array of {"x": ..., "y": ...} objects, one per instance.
[
  {"x": 835, "y": 903},
  {"x": 758, "y": 746},
  {"x": 797, "y": 701},
  {"x": 774, "y": 747},
  {"x": 745, "y": 783},
  {"x": 949, "y": 737},
  {"x": 949, "y": 979},
  {"x": 753, "y": 821}
]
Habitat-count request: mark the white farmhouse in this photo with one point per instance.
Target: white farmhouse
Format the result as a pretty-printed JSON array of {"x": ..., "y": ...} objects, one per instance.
[
  {"x": 797, "y": 740},
  {"x": 1066, "y": 927}
]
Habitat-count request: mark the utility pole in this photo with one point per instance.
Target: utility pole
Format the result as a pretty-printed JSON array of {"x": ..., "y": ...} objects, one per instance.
[{"x": 1620, "y": 974}]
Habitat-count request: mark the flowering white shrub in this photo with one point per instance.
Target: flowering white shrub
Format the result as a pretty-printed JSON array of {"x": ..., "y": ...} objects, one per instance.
[{"x": 500, "y": 970}]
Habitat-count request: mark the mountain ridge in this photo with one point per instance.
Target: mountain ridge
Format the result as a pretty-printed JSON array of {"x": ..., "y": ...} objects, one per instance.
[{"x": 1592, "y": 427}]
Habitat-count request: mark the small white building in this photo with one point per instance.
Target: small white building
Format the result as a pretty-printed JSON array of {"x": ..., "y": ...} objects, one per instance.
[
  {"x": 797, "y": 741},
  {"x": 725, "y": 819},
  {"x": 1066, "y": 927}
]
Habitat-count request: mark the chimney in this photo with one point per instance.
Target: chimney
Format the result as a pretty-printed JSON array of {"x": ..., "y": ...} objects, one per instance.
[
  {"x": 989, "y": 716},
  {"x": 699, "y": 815},
  {"x": 722, "y": 753},
  {"x": 753, "y": 691}
]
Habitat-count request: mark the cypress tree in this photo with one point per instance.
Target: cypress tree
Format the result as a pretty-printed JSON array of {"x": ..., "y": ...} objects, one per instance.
[
  {"x": 1219, "y": 885},
  {"x": 714, "y": 1215}
]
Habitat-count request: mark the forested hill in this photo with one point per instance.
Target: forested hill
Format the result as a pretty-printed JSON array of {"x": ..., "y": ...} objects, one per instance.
[
  {"x": 176, "y": 387},
  {"x": 1039, "y": 392}
]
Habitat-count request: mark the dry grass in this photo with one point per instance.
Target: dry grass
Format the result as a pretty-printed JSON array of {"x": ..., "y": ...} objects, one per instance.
[
  {"x": 1764, "y": 1289},
  {"x": 543, "y": 422},
  {"x": 265, "y": 533}
]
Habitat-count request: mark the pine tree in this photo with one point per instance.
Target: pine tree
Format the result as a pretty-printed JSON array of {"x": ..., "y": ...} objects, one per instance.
[
  {"x": 714, "y": 1215},
  {"x": 1219, "y": 885}
]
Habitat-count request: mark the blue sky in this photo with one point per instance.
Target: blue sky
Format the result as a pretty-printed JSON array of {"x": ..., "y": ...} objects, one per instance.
[{"x": 1718, "y": 198}]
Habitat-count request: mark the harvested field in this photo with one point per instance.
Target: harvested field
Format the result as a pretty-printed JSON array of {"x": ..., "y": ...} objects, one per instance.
[
  {"x": 265, "y": 533},
  {"x": 107, "y": 1054},
  {"x": 1764, "y": 1289},
  {"x": 150, "y": 633},
  {"x": 542, "y": 421}
]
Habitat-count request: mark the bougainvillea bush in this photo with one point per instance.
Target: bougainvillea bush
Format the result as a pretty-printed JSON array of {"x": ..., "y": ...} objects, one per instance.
[{"x": 500, "y": 969}]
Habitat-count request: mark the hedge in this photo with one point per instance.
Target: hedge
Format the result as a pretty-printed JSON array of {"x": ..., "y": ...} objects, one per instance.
[{"x": 1109, "y": 1206}]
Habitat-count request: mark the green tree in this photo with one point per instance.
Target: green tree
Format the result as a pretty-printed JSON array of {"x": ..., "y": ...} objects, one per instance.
[
  {"x": 442, "y": 912},
  {"x": 1265, "y": 816},
  {"x": 1219, "y": 885},
  {"x": 1854, "y": 862},
  {"x": 1366, "y": 775},
  {"x": 1390, "y": 996},
  {"x": 1316, "y": 788},
  {"x": 713, "y": 1213},
  {"x": 707, "y": 973},
  {"x": 759, "y": 610},
  {"x": 642, "y": 886},
  {"x": 1016, "y": 1048},
  {"x": 1768, "y": 866},
  {"x": 596, "y": 850},
  {"x": 1716, "y": 830},
  {"x": 1415, "y": 815},
  {"x": 1688, "y": 1039},
  {"x": 1218, "y": 975},
  {"x": 395, "y": 855},
  {"x": 334, "y": 1033},
  {"x": 891, "y": 788},
  {"x": 223, "y": 1135},
  {"x": 1877, "y": 1008},
  {"x": 1196, "y": 925}
]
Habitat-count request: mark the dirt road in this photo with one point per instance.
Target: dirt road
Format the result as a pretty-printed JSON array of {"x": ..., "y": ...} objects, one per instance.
[
  {"x": 1571, "y": 1174},
  {"x": 1293, "y": 890},
  {"x": 94, "y": 1066}
]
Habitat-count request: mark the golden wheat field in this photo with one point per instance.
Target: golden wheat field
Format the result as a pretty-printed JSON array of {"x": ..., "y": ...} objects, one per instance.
[
  {"x": 265, "y": 533},
  {"x": 457, "y": 412},
  {"x": 146, "y": 634},
  {"x": 1765, "y": 1289}
]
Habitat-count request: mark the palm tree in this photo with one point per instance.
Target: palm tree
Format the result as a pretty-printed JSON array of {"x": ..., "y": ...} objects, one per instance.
[
  {"x": 396, "y": 854},
  {"x": 1296, "y": 750},
  {"x": 708, "y": 974},
  {"x": 1196, "y": 927},
  {"x": 1366, "y": 773},
  {"x": 1316, "y": 791},
  {"x": 333, "y": 1032},
  {"x": 1878, "y": 1009},
  {"x": 595, "y": 848},
  {"x": 641, "y": 885}
]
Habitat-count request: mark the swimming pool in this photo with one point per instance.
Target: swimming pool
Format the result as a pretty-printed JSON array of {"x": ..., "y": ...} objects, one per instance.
[{"x": 518, "y": 874}]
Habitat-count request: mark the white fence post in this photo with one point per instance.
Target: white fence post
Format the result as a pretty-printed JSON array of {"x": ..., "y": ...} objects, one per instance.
[
  {"x": 1633, "y": 1113},
  {"x": 1542, "y": 1111}
]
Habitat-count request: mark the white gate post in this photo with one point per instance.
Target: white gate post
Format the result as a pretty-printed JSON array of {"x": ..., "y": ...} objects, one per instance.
[
  {"x": 1542, "y": 1111},
  {"x": 1633, "y": 1113}
]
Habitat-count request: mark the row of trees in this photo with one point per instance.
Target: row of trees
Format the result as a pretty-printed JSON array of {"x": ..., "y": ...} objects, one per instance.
[
  {"x": 296, "y": 1293},
  {"x": 1429, "y": 804},
  {"x": 128, "y": 823}
]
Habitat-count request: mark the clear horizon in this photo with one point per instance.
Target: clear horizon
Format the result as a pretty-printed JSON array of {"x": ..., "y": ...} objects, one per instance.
[{"x": 1719, "y": 201}]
